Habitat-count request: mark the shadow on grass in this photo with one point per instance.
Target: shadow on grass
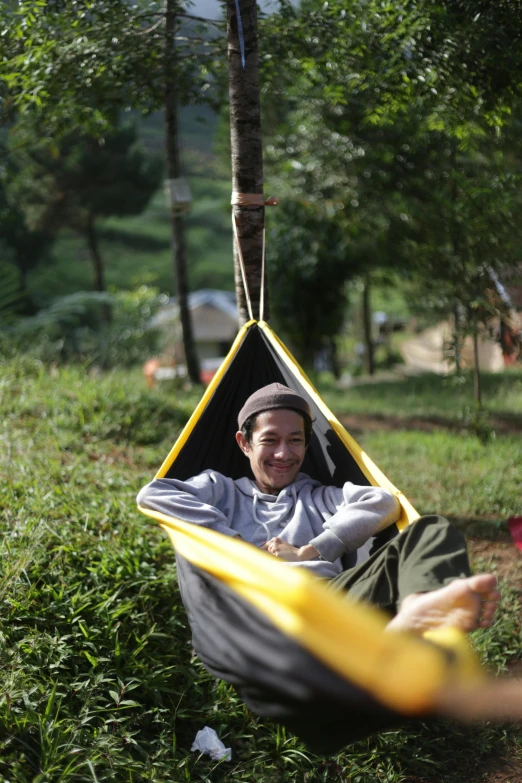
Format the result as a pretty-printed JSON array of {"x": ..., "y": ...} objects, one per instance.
[
  {"x": 428, "y": 383},
  {"x": 441, "y": 401},
  {"x": 485, "y": 528},
  {"x": 502, "y": 423}
]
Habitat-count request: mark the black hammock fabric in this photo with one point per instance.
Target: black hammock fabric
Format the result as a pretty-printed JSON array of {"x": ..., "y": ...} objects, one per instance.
[
  {"x": 277, "y": 676},
  {"x": 212, "y": 441}
]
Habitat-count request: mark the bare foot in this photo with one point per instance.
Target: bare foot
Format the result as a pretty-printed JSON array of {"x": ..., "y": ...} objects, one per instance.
[{"x": 464, "y": 603}]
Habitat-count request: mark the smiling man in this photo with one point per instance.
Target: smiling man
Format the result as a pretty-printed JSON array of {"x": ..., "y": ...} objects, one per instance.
[
  {"x": 421, "y": 577},
  {"x": 281, "y": 510}
]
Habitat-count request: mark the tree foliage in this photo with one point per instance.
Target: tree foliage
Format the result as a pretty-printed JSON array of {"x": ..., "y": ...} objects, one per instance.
[
  {"x": 406, "y": 134},
  {"x": 75, "y": 63},
  {"x": 21, "y": 249},
  {"x": 309, "y": 268},
  {"x": 78, "y": 63},
  {"x": 75, "y": 181}
]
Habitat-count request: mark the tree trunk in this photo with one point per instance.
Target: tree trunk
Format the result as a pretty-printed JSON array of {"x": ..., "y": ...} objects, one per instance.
[
  {"x": 369, "y": 365},
  {"x": 246, "y": 147},
  {"x": 173, "y": 172},
  {"x": 457, "y": 340},
  {"x": 97, "y": 264},
  {"x": 27, "y": 306},
  {"x": 456, "y": 247},
  {"x": 477, "y": 386},
  {"x": 334, "y": 358},
  {"x": 22, "y": 274}
]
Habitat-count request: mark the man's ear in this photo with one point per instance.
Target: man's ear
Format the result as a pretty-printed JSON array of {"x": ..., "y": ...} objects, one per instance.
[{"x": 242, "y": 442}]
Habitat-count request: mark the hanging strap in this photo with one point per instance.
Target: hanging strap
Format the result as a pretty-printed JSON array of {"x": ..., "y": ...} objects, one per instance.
[
  {"x": 242, "y": 265},
  {"x": 252, "y": 200},
  {"x": 262, "y": 293}
]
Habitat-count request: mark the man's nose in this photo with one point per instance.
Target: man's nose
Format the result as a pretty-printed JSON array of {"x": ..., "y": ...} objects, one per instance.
[{"x": 283, "y": 450}]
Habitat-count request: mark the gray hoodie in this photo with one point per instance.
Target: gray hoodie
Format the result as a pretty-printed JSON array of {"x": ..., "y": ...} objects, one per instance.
[{"x": 332, "y": 520}]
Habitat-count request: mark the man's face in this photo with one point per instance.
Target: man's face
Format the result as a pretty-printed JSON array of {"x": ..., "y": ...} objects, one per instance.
[{"x": 277, "y": 449}]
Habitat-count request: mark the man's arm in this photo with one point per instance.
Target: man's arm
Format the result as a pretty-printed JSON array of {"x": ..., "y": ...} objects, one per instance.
[
  {"x": 362, "y": 512},
  {"x": 191, "y": 501}
]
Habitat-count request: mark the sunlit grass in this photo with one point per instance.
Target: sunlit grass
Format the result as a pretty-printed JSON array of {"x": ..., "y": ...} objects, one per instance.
[
  {"x": 97, "y": 678},
  {"x": 452, "y": 474},
  {"x": 428, "y": 395}
]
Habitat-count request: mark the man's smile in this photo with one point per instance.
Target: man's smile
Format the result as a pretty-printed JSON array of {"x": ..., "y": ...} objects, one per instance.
[{"x": 276, "y": 450}]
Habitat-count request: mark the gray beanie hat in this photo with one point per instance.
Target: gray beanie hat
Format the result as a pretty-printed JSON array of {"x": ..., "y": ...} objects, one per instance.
[{"x": 271, "y": 397}]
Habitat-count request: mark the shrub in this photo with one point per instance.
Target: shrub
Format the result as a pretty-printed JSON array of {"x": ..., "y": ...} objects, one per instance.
[{"x": 72, "y": 329}]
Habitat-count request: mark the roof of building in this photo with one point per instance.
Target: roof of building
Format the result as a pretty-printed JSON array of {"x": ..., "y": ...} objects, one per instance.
[{"x": 214, "y": 314}]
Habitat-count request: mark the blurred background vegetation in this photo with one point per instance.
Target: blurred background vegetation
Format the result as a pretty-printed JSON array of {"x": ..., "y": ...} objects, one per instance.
[{"x": 393, "y": 137}]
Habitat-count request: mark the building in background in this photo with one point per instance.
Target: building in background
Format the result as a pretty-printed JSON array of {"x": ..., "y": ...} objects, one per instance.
[{"x": 215, "y": 325}]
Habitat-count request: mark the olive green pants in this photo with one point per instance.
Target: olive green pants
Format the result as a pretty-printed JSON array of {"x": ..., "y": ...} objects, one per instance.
[{"x": 427, "y": 555}]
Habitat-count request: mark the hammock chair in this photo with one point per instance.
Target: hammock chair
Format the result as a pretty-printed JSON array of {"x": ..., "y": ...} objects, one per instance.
[{"x": 297, "y": 653}]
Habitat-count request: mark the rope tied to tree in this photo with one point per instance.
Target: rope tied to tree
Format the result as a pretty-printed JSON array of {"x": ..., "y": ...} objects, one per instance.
[{"x": 252, "y": 200}]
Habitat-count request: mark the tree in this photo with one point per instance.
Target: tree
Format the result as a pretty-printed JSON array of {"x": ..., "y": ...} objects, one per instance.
[
  {"x": 396, "y": 97},
  {"x": 462, "y": 234},
  {"x": 308, "y": 275},
  {"x": 22, "y": 248},
  {"x": 452, "y": 61},
  {"x": 89, "y": 60},
  {"x": 246, "y": 149},
  {"x": 79, "y": 180},
  {"x": 351, "y": 179}
]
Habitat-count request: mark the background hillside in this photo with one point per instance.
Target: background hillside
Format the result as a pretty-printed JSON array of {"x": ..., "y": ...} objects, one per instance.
[{"x": 137, "y": 250}]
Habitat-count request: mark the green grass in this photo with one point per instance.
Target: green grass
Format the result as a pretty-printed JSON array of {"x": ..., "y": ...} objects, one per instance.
[
  {"x": 451, "y": 474},
  {"x": 97, "y": 678},
  {"x": 460, "y": 465},
  {"x": 448, "y": 399}
]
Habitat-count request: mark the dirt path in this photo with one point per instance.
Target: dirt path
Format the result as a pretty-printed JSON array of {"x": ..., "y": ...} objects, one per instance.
[
  {"x": 506, "y": 560},
  {"x": 502, "y": 556},
  {"x": 358, "y": 423}
]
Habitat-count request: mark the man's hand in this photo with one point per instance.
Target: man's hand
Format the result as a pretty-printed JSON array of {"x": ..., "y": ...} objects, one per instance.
[{"x": 276, "y": 546}]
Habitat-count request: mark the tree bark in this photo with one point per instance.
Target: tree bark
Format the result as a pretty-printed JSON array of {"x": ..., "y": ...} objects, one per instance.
[
  {"x": 369, "y": 365},
  {"x": 173, "y": 172},
  {"x": 247, "y": 154},
  {"x": 455, "y": 242},
  {"x": 97, "y": 264},
  {"x": 334, "y": 358},
  {"x": 457, "y": 340},
  {"x": 27, "y": 306},
  {"x": 477, "y": 386}
]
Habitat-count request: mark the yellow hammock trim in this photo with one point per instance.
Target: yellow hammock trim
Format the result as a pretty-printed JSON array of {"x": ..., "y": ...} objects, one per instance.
[
  {"x": 209, "y": 391},
  {"x": 375, "y": 476},
  {"x": 401, "y": 671}
]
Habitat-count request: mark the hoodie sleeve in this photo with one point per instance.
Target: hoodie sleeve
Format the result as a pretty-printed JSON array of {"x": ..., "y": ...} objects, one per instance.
[
  {"x": 358, "y": 514},
  {"x": 195, "y": 500}
]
